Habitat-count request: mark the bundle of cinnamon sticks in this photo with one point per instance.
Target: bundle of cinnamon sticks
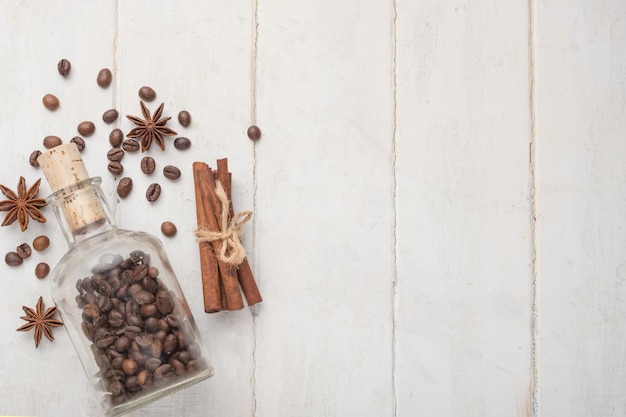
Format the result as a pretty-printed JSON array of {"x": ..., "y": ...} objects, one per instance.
[{"x": 223, "y": 280}]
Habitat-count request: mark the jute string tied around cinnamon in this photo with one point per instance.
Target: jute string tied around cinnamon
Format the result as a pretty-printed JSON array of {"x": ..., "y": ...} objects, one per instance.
[{"x": 232, "y": 250}]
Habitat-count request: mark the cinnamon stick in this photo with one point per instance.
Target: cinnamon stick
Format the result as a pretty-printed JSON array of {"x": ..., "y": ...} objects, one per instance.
[
  {"x": 244, "y": 272},
  {"x": 208, "y": 261}
]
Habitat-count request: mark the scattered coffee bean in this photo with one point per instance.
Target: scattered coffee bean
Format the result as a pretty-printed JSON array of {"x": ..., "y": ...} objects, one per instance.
[
  {"x": 13, "y": 259},
  {"x": 184, "y": 118},
  {"x": 182, "y": 143},
  {"x": 32, "y": 159},
  {"x": 115, "y": 154},
  {"x": 130, "y": 145},
  {"x": 79, "y": 142},
  {"x": 171, "y": 172},
  {"x": 41, "y": 243},
  {"x": 50, "y": 142},
  {"x": 153, "y": 192},
  {"x": 64, "y": 67},
  {"x": 104, "y": 77},
  {"x": 23, "y": 250},
  {"x": 86, "y": 128},
  {"x": 116, "y": 137},
  {"x": 50, "y": 102},
  {"x": 115, "y": 168},
  {"x": 110, "y": 116},
  {"x": 147, "y": 93},
  {"x": 168, "y": 229},
  {"x": 42, "y": 270},
  {"x": 254, "y": 133},
  {"x": 124, "y": 187},
  {"x": 147, "y": 165}
]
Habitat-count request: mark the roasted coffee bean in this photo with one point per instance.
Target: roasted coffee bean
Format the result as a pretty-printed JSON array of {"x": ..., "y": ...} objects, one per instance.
[
  {"x": 91, "y": 311},
  {"x": 115, "y": 154},
  {"x": 124, "y": 187},
  {"x": 116, "y": 388},
  {"x": 254, "y": 133},
  {"x": 13, "y": 259},
  {"x": 131, "y": 384},
  {"x": 116, "y": 319},
  {"x": 153, "y": 192},
  {"x": 147, "y": 165},
  {"x": 144, "y": 297},
  {"x": 150, "y": 284},
  {"x": 88, "y": 329},
  {"x": 64, "y": 67},
  {"x": 42, "y": 270},
  {"x": 171, "y": 172},
  {"x": 168, "y": 229},
  {"x": 50, "y": 102},
  {"x": 144, "y": 341},
  {"x": 104, "y": 303},
  {"x": 184, "y": 118},
  {"x": 110, "y": 116},
  {"x": 104, "y": 77},
  {"x": 41, "y": 243},
  {"x": 162, "y": 372},
  {"x": 182, "y": 143},
  {"x": 130, "y": 145},
  {"x": 142, "y": 377},
  {"x": 32, "y": 159},
  {"x": 177, "y": 366},
  {"x": 182, "y": 340},
  {"x": 151, "y": 324},
  {"x": 170, "y": 344},
  {"x": 147, "y": 93},
  {"x": 88, "y": 285},
  {"x": 156, "y": 349},
  {"x": 116, "y": 137},
  {"x": 122, "y": 344},
  {"x": 164, "y": 302},
  {"x": 148, "y": 310},
  {"x": 51, "y": 141},
  {"x": 103, "y": 361},
  {"x": 105, "y": 339},
  {"x": 86, "y": 128},
  {"x": 129, "y": 367},
  {"x": 23, "y": 250},
  {"x": 115, "y": 168},
  {"x": 79, "y": 142}
]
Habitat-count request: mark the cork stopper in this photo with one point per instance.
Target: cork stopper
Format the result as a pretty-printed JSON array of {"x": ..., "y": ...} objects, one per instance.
[{"x": 63, "y": 167}]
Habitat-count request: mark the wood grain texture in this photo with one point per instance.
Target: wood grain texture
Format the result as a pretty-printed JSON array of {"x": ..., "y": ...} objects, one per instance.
[
  {"x": 463, "y": 228},
  {"x": 581, "y": 159}
]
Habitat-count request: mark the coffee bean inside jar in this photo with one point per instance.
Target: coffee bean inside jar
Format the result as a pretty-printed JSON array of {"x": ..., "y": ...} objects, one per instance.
[{"x": 139, "y": 338}]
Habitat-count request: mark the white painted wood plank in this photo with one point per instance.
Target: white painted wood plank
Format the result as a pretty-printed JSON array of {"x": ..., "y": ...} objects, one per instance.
[
  {"x": 34, "y": 36},
  {"x": 324, "y": 209},
  {"x": 581, "y": 200},
  {"x": 464, "y": 241}
]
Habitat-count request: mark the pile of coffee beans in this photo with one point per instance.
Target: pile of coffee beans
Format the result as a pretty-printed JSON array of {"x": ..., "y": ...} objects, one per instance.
[
  {"x": 24, "y": 251},
  {"x": 136, "y": 327}
]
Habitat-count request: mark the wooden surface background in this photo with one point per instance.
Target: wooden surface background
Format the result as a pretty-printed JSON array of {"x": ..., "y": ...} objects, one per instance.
[{"x": 439, "y": 197}]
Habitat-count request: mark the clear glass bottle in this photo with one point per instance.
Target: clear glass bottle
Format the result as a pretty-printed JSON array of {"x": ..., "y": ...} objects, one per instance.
[{"x": 118, "y": 296}]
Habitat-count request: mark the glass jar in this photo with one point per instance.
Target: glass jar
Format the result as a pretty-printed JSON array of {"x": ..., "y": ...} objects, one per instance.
[{"x": 122, "y": 306}]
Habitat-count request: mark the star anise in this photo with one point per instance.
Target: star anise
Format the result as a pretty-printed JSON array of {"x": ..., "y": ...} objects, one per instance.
[
  {"x": 40, "y": 320},
  {"x": 151, "y": 129},
  {"x": 22, "y": 205}
]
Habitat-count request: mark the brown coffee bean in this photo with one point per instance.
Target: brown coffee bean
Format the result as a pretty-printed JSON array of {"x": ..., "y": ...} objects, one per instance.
[
  {"x": 147, "y": 93},
  {"x": 168, "y": 229},
  {"x": 177, "y": 366},
  {"x": 64, "y": 67},
  {"x": 115, "y": 154},
  {"x": 153, "y": 192},
  {"x": 32, "y": 159},
  {"x": 129, "y": 367},
  {"x": 182, "y": 143},
  {"x": 51, "y": 141},
  {"x": 23, "y": 250},
  {"x": 170, "y": 344},
  {"x": 50, "y": 102},
  {"x": 86, "y": 128},
  {"x": 148, "y": 310},
  {"x": 124, "y": 187},
  {"x": 79, "y": 142},
  {"x": 130, "y": 145},
  {"x": 171, "y": 172},
  {"x": 41, "y": 243},
  {"x": 110, "y": 116},
  {"x": 147, "y": 165},
  {"x": 13, "y": 259},
  {"x": 104, "y": 77},
  {"x": 164, "y": 302},
  {"x": 254, "y": 133},
  {"x": 115, "y": 168},
  {"x": 116, "y": 137},
  {"x": 42, "y": 270},
  {"x": 184, "y": 118},
  {"x": 152, "y": 364}
]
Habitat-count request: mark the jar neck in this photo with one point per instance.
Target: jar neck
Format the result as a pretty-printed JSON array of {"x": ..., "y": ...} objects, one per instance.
[{"x": 81, "y": 210}]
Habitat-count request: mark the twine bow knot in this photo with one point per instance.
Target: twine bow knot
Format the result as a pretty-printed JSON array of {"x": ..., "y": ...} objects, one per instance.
[{"x": 232, "y": 250}]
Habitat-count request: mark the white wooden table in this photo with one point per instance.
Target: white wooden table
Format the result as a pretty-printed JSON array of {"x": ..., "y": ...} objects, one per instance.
[{"x": 439, "y": 198}]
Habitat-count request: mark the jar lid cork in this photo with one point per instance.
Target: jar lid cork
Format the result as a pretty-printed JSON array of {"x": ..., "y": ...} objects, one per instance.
[{"x": 63, "y": 166}]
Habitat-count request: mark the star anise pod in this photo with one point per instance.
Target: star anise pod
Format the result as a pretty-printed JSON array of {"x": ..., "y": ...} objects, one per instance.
[
  {"x": 40, "y": 320},
  {"x": 151, "y": 129},
  {"x": 22, "y": 205}
]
